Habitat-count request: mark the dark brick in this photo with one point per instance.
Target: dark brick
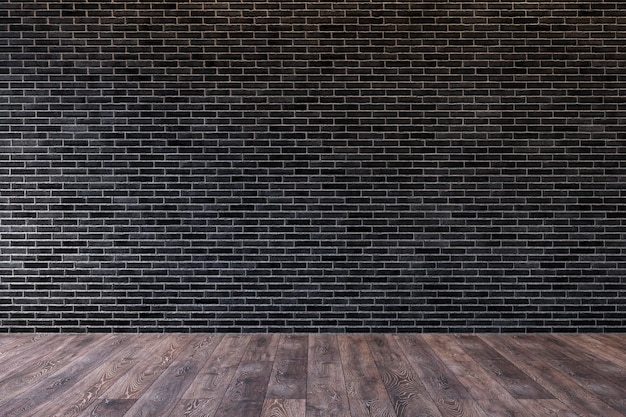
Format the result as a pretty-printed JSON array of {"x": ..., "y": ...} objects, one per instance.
[{"x": 403, "y": 166}]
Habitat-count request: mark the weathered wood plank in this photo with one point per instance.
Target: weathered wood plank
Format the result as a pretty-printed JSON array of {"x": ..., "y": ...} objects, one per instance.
[
  {"x": 262, "y": 348},
  {"x": 97, "y": 381},
  {"x": 161, "y": 398},
  {"x": 35, "y": 366},
  {"x": 152, "y": 364},
  {"x": 28, "y": 350},
  {"x": 47, "y": 390},
  {"x": 288, "y": 379},
  {"x": 246, "y": 393},
  {"x": 366, "y": 392},
  {"x": 129, "y": 387},
  {"x": 208, "y": 388},
  {"x": 513, "y": 379},
  {"x": 108, "y": 408},
  {"x": 563, "y": 388},
  {"x": 407, "y": 393},
  {"x": 598, "y": 351},
  {"x": 548, "y": 408},
  {"x": 449, "y": 394},
  {"x": 572, "y": 362},
  {"x": 326, "y": 388},
  {"x": 313, "y": 376},
  {"x": 283, "y": 408},
  {"x": 476, "y": 380}
]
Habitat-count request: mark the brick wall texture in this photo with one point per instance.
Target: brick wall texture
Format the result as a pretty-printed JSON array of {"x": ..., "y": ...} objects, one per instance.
[{"x": 312, "y": 166}]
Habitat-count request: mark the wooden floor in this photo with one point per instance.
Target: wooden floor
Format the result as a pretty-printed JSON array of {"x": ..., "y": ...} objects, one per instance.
[{"x": 313, "y": 375}]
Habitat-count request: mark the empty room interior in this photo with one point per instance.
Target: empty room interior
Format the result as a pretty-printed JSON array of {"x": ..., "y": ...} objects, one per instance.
[{"x": 313, "y": 208}]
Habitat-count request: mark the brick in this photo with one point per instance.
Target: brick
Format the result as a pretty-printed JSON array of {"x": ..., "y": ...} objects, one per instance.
[{"x": 311, "y": 167}]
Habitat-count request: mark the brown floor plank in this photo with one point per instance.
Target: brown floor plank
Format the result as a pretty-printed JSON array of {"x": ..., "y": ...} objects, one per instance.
[
  {"x": 164, "y": 394},
  {"x": 366, "y": 392},
  {"x": 548, "y": 408},
  {"x": 245, "y": 395},
  {"x": 597, "y": 350},
  {"x": 28, "y": 348},
  {"x": 288, "y": 379},
  {"x": 96, "y": 382},
  {"x": 479, "y": 383},
  {"x": 407, "y": 393},
  {"x": 283, "y": 408},
  {"x": 108, "y": 408},
  {"x": 157, "y": 358},
  {"x": 132, "y": 385},
  {"x": 617, "y": 341},
  {"x": 562, "y": 387},
  {"x": 513, "y": 379},
  {"x": 326, "y": 388},
  {"x": 572, "y": 362},
  {"x": 86, "y": 358},
  {"x": 449, "y": 394},
  {"x": 208, "y": 388},
  {"x": 262, "y": 348},
  {"x": 35, "y": 366},
  {"x": 272, "y": 375}
]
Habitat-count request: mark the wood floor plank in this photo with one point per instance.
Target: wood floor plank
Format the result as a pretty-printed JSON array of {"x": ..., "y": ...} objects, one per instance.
[
  {"x": 326, "y": 388},
  {"x": 132, "y": 385},
  {"x": 449, "y": 394},
  {"x": 96, "y": 382},
  {"x": 157, "y": 359},
  {"x": 570, "y": 361},
  {"x": 513, "y": 379},
  {"x": 327, "y": 375},
  {"x": 262, "y": 348},
  {"x": 245, "y": 395},
  {"x": 161, "y": 398},
  {"x": 108, "y": 408},
  {"x": 598, "y": 351},
  {"x": 283, "y": 408},
  {"x": 219, "y": 370},
  {"x": 33, "y": 346},
  {"x": 35, "y": 366},
  {"x": 64, "y": 379},
  {"x": 288, "y": 379},
  {"x": 407, "y": 393},
  {"x": 548, "y": 408},
  {"x": 617, "y": 341},
  {"x": 367, "y": 395},
  {"x": 480, "y": 384},
  {"x": 205, "y": 393},
  {"x": 563, "y": 388}
]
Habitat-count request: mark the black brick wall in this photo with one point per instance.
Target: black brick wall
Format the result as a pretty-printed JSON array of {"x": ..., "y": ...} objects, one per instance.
[{"x": 312, "y": 166}]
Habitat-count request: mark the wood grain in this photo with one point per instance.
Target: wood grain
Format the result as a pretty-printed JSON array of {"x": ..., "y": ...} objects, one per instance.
[
  {"x": 572, "y": 362},
  {"x": 444, "y": 388},
  {"x": 161, "y": 398},
  {"x": 205, "y": 393},
  {"x": 561, "y": 386},
  {"x": 288, "y": 378},
  {"x": 366, "y": 392},
  {"x": 283, "y": 408},
  {"x": 35, "y": 366},
  {"x": 481, "y": 385},
  {"x": 51, "y": 387},
  {"x": 326, "y": 375},
  {"x": 246, "y": 393},
  {"x": 407, "y": 393},
  {"x": 326, "y": 388},
  {"x": 73, "y": 403},
  {"x": 513, "y": 379}
]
